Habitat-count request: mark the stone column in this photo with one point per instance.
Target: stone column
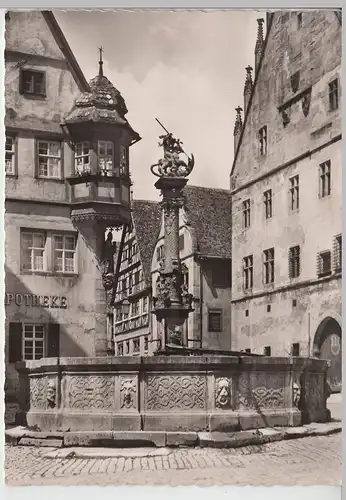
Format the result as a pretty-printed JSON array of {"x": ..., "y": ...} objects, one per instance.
[{"x": 173, "y": 302}]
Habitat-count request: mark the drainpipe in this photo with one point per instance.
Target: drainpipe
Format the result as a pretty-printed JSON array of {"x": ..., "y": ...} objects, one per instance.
[{"x": 309, "y": 337}]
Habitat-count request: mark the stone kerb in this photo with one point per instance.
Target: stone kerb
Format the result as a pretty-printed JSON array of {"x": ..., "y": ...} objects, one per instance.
[{"x": 173, "y": 393}]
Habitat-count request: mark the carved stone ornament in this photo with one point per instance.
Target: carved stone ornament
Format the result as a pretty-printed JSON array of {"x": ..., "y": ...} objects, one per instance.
[
  {"x": 128, "y": 392},
  {"x": 172, "y": 164},
  {"x": 108, "y": 281},
  {"x": 296, "y": 392},
  {"x": 223, "y": 393},
  {"x": 178, "y": 392},
  {"x": 51, "y": 394},
  {"x": 306, "y": 100},
  {"x": 186, "y": 297}
]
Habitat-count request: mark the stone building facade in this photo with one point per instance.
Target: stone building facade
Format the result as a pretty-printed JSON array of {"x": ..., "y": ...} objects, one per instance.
[
  {"x": 205, "y": 252},
  {"x": 286, "y": 193},
  {"x": 55, "y": 299}
]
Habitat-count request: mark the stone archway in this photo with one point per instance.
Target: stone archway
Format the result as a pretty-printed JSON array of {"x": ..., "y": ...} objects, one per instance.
[{"x": 327, "y": 345}]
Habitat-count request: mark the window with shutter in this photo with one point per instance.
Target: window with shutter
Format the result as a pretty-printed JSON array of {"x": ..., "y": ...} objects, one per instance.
[
  {"x": 324, "y": 263},
  {"x": 15, "y": 339}
]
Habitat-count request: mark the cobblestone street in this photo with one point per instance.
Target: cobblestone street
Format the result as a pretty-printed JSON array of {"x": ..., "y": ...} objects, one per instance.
[{"x": 306, "y": 461}]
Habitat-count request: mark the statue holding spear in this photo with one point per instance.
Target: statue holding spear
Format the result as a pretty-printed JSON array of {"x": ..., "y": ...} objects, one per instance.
[{"x": 172, "y": 165}]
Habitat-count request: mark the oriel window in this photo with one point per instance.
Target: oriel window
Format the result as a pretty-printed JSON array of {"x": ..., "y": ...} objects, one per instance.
[
  {"x": 268, "y": 204},
  {"x": 294, "y": 192},
  {"x": 334, "y": 95},
  {"x": 268, "y": 266},
  {"x": 82, "y": 158},
  {"x": 325, "y": 178},
  {"x": 49, "y": 159},
  {"x": 105, "y": 157},
  {"x": 248, "y": 272}
]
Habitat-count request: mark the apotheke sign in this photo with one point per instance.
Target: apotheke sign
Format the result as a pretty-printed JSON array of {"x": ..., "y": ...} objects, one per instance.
[{"x": 30, "y": 300}]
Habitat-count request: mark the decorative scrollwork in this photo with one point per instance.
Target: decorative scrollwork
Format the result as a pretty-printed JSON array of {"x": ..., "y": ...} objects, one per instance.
[{"x": 176, "y": 392}]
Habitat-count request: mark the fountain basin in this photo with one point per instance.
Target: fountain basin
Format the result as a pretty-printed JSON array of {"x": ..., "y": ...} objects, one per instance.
[{"x": 172, "y": 393}]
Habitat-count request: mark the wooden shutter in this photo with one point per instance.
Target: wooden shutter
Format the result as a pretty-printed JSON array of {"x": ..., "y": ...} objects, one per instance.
[
  {"x": 53, "y": 340},
  {"x": 15, "y": 342}
]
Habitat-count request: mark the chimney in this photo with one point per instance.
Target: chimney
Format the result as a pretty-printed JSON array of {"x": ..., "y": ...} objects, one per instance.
[
  {"x": 259, "y": 43},
  {"x": 238, "y": 125},
  {"x": 247, "y": 87}
]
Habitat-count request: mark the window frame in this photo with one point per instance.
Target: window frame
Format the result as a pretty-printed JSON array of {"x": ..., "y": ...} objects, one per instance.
[
  {"x": 263, "y": 140},
  {"x": 64, "y": 236},
  {"x": 321, "y": 272},
  {"x": 38, "y": 174},
  {"x": 269, "y": 266},
  {"x": 294, "y": 262},
  {"x": 248, "y": 264},
  {"x": 338, "y": 253},
  {"x": 32, "y": 248},
  {"x": 84, "y": 170},
  {"x": 104, "y": 170},
  {"x": 334, "y": 95},
  {"x": 294, "y": 193},
  {"x": 48, "y": 255},
  {"x": 325, "y": 180},
  {"x": 33, "y": 94},
  {"x": 246, "y": 213},
  {"x": 123, "y": 160},
  {"x": 13, "y": 152},
  {"x": 219, "y": 313},
  {"x": 34, "y": 340},
  {"x": 268, "y": 204}
]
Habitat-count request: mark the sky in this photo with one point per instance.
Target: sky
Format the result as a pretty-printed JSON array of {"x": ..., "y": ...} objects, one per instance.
[{"x": 185, "y": 68}]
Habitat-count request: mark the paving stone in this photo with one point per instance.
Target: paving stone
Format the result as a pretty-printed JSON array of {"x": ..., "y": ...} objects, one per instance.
[
  {"x": 51, "y": 443},
  {"x": 181, "y": 438}
]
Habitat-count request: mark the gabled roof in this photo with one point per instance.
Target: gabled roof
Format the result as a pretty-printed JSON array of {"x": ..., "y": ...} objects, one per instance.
[
  {"x": 146, "y": 218},
  {"x": 66, "y": 50},
  {"x": 270, "y": 17},
  {"x": 208, "y": 212},
  {"x": 270, "y": 22}
]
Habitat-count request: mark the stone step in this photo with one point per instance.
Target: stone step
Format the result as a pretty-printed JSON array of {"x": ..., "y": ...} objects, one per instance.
[{"x": 135, "y": 439}]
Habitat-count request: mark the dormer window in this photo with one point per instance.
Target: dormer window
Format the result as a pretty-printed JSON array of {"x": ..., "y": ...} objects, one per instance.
[
  {"x": 123, "y": 160},
  {"x": 82, "y": 158},
  {"x": 105, "y": 157}
]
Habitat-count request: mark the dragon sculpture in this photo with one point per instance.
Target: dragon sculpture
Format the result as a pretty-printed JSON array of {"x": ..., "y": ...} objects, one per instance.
[{"x": 171, "y": 165}]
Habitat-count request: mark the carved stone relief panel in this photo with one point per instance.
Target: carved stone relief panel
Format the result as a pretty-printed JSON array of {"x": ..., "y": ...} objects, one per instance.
[
  {"x": 178, "y": 392},
  {"x": 314, "y": 394},
  {"x": 90, "y": 391},
  {"x": 261, "y": 391},
  {"x": 223, "y": 392},
  {"x": 38, "y": 389},
  {"x": 128, "y": 393}
]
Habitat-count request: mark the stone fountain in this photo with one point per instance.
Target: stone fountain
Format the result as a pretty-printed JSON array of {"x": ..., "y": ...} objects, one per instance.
[{"x": 178, "y": 389}]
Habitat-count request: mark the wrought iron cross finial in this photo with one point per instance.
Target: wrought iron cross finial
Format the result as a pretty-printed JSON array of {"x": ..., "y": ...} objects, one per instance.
[{"x": 100, "y": 61}]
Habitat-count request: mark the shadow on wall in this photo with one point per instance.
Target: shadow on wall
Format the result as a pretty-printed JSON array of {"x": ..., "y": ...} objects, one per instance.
[{"x": 18, "y": 314}]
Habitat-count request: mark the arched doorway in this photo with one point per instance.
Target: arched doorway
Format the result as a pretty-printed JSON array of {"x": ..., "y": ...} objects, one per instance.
[{"x": 327, "y": 345}]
